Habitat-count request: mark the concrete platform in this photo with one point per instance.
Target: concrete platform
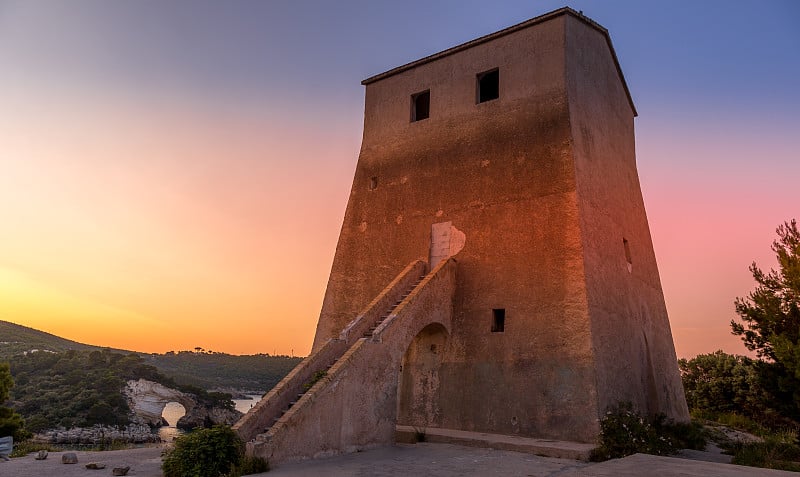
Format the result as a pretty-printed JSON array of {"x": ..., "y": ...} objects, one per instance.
[
  {"x": 449, "y": 460},
  {"x": 528, "y": 445}
]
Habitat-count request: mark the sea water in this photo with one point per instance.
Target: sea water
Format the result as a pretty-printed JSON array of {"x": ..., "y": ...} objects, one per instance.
[{"x": 174, "y": 411}]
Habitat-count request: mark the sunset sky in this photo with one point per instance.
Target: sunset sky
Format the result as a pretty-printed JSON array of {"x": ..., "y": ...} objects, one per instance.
[{"x": 174, "y": 174}]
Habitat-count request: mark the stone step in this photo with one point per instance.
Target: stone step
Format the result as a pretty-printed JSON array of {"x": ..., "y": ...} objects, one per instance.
[{"x": 542, "y": 447}]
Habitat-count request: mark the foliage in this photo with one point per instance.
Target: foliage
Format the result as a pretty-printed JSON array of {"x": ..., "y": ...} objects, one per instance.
[
  {"x": 723, "y": 383},
  {"x": 84, "y": 388},
  {"x": 770, "y": 323},
  {"x": 314, "y": 379},
  {"x": 21, "y": 449},
  {"x": 689, "y": 435},
  {"x": 771, "y": 454},
  {"x": 204, "y": 453},
  {"x": 72, "y": 388},
  {"x": 6, "y": 382},
  {"x": 200, "y": 368},
  {"x": 250, "y": 465},
  {"x": 732, "y": 420},
  {"x": 771, "y": 313},
  {"x": 11, "y": 423},
  {"x": 624, "y": 431},
  {"x": 18, "y": 339},
  {"x": 258, "y": 373}
]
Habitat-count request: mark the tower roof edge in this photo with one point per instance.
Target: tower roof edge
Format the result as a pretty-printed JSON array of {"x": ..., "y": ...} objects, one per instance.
[{"x": 505, "y": 31}]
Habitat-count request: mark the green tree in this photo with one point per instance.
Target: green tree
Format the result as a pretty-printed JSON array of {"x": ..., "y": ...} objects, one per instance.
[
  {"x": 721, "y": 382},
  {"x": 6, "y": 382},
  {"x": 770, "y": 314},
  {"x": 770, "y": 321},
  {"x": 11, "y": 423}
]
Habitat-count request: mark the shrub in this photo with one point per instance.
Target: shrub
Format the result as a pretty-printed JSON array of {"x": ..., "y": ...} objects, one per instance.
[
  {"x": 688, "y": 435},
  {"x": 204, "y": 453},
  {"x": 250, "y": 465},
  {"x": 314, "y": 379},
  {"x": 624, "y": 431},
  {"x": 770, "y": 454},
  {"x": 21, "y": 449}
]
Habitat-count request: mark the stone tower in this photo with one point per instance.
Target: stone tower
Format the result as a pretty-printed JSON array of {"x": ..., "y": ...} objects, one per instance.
[{"x": 502, "y": 174}]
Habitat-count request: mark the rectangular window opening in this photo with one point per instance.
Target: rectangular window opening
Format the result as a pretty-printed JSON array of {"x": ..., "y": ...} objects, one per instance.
[
  {"x": 488, "y": 85},
  {"x": 420, "y": 106},
  {"x": 498, "y": 320}
]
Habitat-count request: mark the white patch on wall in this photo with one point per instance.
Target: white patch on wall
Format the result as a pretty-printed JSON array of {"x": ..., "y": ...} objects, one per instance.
[{"x": 446, "y": 241}]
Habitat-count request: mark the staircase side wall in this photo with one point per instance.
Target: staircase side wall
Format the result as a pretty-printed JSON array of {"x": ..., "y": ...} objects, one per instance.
[
  {"x": 355, "y": 406},
  {"x": 269, "y": 409},
  {"x": 261, "y": 416}
]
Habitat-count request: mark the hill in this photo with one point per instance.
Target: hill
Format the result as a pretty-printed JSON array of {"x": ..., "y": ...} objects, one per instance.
[
  {"x": 17, "y": 339},
  {"x": 209, "y": 371},
  {"x": 256, "y": 373}
]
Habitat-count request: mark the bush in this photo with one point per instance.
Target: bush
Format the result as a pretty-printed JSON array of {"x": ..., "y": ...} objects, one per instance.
[
  {"x": 689, "y": 435},
  {"x": 204, "y": 453},
  {"x": 770, "y": 454},
  {"x": 250, "y": 465},
  {"x": 723, "y": 383},
  {"x": 624, "y": 431},
  {"x": 24, "y": 448}
]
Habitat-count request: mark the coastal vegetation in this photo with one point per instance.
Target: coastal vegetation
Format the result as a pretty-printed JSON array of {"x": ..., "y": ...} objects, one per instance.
[
  {"x": 200, "y": 368},
  {"x": 257, "y": 373},
  {"x": 85, "y": 388},
  {"x": 62, "y": 383}
]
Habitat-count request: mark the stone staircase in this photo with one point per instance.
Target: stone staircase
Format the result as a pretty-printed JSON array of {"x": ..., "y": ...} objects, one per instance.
[
  {"x": 289, "y": 391},
  {"x": 343, "y": 396},
  {"x": 306, "y": 388},
  {"x": 369, "y": 333}
]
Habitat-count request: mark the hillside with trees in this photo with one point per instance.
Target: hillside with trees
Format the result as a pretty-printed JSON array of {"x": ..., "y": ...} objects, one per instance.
[
  {"x": 17, "y": 339},
  {"x": 86, "y": 388},
  {"x": 250, "y": 373},
  {"x": 203, "y": 369}
]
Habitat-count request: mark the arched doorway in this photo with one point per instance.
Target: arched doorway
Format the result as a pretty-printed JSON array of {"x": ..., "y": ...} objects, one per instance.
[{"x": 418, "y": 400}]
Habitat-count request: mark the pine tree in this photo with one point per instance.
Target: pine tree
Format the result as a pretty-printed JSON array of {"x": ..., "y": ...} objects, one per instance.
[
  {"x": 770, "y": 314},
  {"x": 770, "y": 322}
]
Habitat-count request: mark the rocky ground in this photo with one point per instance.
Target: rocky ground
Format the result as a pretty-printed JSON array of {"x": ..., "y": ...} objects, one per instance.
[
  {"x": 143, "y": 462},
  {"x": 97, "y": 435}
]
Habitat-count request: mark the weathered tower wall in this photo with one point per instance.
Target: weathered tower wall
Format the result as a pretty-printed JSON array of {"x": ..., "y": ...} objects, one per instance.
[
  {"x": 542, "y": 181},
  {"x": 631, "y": 336}
]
